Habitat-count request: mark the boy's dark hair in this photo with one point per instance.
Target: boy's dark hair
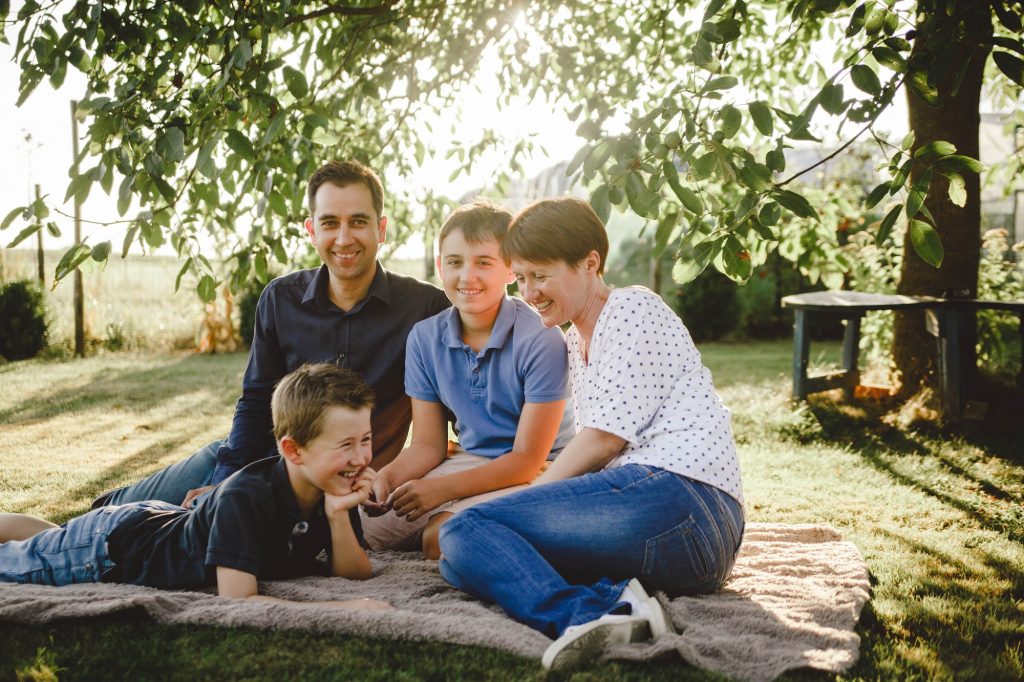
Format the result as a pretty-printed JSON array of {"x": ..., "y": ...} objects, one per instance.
[
  {"x": 478, "y": 221},
  {"x": 548, "y": 230},
  {"x": 343, "y": 174},
  {"x": 301, "y": 399}
]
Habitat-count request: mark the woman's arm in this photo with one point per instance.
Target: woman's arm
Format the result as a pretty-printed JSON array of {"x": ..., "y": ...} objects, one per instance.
[{"x": 589, "y": 450}]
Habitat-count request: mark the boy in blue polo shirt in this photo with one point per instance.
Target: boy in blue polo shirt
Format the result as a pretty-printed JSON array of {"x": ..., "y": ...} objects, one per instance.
[
  {"x": 489, "y": 364},
  {"x": 279, "y": 517}
]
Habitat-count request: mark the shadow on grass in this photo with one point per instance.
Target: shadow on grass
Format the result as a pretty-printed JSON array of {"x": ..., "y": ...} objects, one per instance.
[
  {"x": 136, "y": 390},
  {"x": 883, "y": 447}
]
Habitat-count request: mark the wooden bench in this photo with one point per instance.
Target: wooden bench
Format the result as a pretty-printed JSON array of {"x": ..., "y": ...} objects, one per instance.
[{"x": 945, "y": 319}]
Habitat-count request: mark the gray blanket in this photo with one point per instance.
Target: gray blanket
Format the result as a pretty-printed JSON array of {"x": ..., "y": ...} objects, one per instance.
[{"x": 793, "y": 600}]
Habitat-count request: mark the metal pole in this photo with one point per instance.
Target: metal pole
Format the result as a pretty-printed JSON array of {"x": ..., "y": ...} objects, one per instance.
[
  {"x": 79, "y": 296},
  {"x": 39, "y": 250}
]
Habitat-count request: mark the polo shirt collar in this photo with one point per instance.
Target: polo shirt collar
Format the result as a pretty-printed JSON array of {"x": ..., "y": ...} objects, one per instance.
[
  {"x": 503, "y": 323},
  {"x": 316, "y": 292},
  {"x": 283, "y": 492}
]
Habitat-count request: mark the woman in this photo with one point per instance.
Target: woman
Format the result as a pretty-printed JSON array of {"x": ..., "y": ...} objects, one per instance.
[{"x": 648, "y": 491}]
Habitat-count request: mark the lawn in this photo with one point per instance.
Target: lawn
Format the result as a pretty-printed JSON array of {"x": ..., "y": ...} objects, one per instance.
[{"x": 939, "y": 519}]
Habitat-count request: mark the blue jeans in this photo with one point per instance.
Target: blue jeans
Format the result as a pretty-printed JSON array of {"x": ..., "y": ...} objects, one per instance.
[
  {"x": 560, "y": 554},
  {"x": 73, "y": 553},
  {"x": 171, "y": 483}
]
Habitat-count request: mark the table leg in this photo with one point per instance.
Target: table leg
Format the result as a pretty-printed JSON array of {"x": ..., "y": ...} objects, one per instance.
[
  {"x": 851, "y": 355},
  {"x": 801, "y": 354},
  {"x": 951, "y": 375}
]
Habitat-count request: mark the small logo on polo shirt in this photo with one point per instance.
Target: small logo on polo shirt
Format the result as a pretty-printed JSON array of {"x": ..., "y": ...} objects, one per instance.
[{"x": 321, "y": 558}]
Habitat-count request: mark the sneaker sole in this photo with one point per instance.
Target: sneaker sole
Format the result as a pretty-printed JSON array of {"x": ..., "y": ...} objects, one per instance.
[
  {"x": 660, "y": 623},
  {"x": 591, "y": 644}
]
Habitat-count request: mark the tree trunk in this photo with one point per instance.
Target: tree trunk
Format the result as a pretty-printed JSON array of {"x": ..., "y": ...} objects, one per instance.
[{"x": 956, "y": 119}]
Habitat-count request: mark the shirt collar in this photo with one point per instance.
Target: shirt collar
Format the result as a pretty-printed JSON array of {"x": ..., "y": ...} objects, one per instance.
[
  {"x": 283, "y": 492},
  {"x": 503, "y": 323},
  {"x": 316, "y": 292}
]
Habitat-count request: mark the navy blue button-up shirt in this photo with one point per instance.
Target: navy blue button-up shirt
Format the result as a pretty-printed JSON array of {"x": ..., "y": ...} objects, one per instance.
[{"x": 296, "y": 323}]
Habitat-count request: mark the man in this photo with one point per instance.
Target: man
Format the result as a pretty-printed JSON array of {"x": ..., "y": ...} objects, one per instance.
[{"x": 350, "y": 312}]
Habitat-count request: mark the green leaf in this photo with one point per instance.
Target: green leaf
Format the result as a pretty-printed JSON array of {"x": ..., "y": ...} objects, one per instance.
[
  {"x": 936, "y": 148},
  {"x": 762, "y": 116},
  {"x": 240, "y": 144},
  {"x": 720, "y": 83},
  {"x": 900, "y": 178},
  {"x": 703, "y": 166},
  {"x": 1011, "y": 66},
  {"x": 204, "y": 159},
  {"x": 874, "y": 20},
  {"x": 666, "y": 226},
  {"x": 52, "y": 228},
  {"x": 600, "y": 203},
  {"x": 914, "y": 200},
  {"x": 207, "y": 288},
  {"x": 795, "y": 204},
  {"x": 78, "y": 186},
  {"x": 702, "y": 54},
  {"x": 171, "y": 145},
  {"x": 775, "y": 159},
  {"x": 129, "y": 237},
  {"x": 181, "y": 273},
  {"x": 70, "y": 261},
  {"x": 15, "y": 212},
  {"x": 907, "y": 142},
  {"x": 692, "y": 264},
  {"x": 865, "y": 79},
  {"x": 885, "y": 227},
  {"x": 296, "y": 83},
  {"x": 917, "y": 81},
  {"x": 769, "y": 214},
  {"x": 926, "y": 242},
  {"x": 957, "y": 190},
  {"x": 856, "y": 21},
  {"x": 100, "y": 252},
  {"x": 124, "y": 194},
  {"x": 731, "y": 120},
  {"x": 25, "y": 234},
  {"x": 831, "y": 98},
  {"x": 886, "y": 56},
  {"x": 578, "y": 158},
  {"x": 876, "y": 195},
  {"x": 957, "y": 163},
  {"x": 273, "y": 128},
  {"x": 736, "y": 259}
]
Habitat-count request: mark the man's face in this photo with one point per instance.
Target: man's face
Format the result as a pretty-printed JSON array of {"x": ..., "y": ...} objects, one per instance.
[{"x": 346, "y": 230}]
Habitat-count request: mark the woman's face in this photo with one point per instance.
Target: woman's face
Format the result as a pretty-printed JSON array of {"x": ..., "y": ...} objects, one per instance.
[{"x": 557, "y": 290}]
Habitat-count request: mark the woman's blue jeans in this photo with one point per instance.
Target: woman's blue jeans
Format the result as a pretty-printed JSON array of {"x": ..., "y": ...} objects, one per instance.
[{"x": 560, "y": 554}]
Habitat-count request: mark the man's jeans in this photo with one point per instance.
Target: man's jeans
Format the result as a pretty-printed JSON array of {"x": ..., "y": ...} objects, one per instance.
[
  {"x": 560, "y": 554},
  {"x": 73, "y": 553},
  {"x": 170, "y": 484}
]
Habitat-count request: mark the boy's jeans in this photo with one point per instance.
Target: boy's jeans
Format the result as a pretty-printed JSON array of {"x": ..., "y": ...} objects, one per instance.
[
  {"x": 560, "y": 554},
  {"x": 73, "y": 553},
  {"x": 171, "y": 483}
]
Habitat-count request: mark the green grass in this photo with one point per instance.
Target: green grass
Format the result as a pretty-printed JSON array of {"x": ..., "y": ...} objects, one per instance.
[{"x": 937, "y": 516}]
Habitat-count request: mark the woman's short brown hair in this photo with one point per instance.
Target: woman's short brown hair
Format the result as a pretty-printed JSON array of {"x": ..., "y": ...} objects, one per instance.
[
  {"x": 301, "y": 399},
  {"x": 565, "y": 229}
]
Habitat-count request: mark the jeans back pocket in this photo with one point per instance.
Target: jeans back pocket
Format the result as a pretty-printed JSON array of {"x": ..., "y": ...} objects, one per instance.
[{"x": 680, "y": 560}]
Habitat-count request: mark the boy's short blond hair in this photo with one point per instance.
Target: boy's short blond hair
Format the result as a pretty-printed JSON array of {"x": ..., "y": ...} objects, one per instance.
[
  {"x": 478, "y": 221},
  {"x": 301, "y": 399}
]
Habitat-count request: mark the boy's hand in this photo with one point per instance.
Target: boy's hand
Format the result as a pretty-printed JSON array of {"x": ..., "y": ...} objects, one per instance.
[
  {"x": 376, "y": 504},
  {"x": 416, "y": 498},
  {"x": 335, "y": 505}
]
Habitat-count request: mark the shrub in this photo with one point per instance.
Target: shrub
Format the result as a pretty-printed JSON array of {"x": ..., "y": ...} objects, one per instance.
[
  {"x": 709, "y": 305},
  {"x": 23, "y": 311}
]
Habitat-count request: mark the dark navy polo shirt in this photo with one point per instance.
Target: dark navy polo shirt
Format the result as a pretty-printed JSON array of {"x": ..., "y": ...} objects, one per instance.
[
  {"x": 296, "y": 323},
  {"x": 250, "y": 523}
]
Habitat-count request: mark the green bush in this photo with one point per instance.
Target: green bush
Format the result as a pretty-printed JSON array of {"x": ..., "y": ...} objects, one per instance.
[
  {"x": 709, "y": 305},
  {"x": 23, "y": 314},
  {"x": 247, "y": 300}
]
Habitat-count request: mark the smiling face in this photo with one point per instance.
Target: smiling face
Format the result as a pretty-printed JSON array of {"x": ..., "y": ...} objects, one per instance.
[
  {"x": 346, "y": 231},
  {"x": 473, "y": 274},
  {"x": 331, "y": 462},
  {"x": 555, "y": 289}
]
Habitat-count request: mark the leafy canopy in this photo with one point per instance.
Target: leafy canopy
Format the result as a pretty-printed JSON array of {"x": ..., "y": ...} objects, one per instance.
[{"x": 210, "y": 115}]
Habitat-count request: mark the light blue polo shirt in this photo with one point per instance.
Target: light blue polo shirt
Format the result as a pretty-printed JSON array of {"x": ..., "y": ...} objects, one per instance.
[{"x": 522, "y": 362}]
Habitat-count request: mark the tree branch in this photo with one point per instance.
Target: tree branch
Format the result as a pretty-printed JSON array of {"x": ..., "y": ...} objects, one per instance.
[{"x": 343, "y": 10}]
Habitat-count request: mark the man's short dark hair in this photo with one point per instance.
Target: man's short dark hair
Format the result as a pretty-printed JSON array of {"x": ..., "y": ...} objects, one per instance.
[
  {"x": 301, "y": 399},
  {"x": 478, "y": 221},
  {"x": 343, "y": 174}
]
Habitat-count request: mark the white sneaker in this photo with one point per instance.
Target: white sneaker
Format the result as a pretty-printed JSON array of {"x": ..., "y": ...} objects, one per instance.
[
  {"x": 585, "y": 642},
  {"x": 642, "y": 604}
]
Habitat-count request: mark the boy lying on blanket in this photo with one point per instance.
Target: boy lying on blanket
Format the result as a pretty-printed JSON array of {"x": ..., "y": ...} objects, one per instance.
[{"x": 279, "y": 517}]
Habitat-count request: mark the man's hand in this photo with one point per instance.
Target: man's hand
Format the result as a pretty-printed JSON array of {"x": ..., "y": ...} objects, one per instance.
[
  {"x": 194, "y": 493},
  {"x": 335, "y": 505},
  {"x": 376, "y": 503},
  {"x": 416, "y": 498}
]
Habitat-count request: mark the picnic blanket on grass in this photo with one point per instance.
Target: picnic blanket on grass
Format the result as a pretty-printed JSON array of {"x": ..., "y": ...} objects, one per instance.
[{"x": 793, "y": 601}]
